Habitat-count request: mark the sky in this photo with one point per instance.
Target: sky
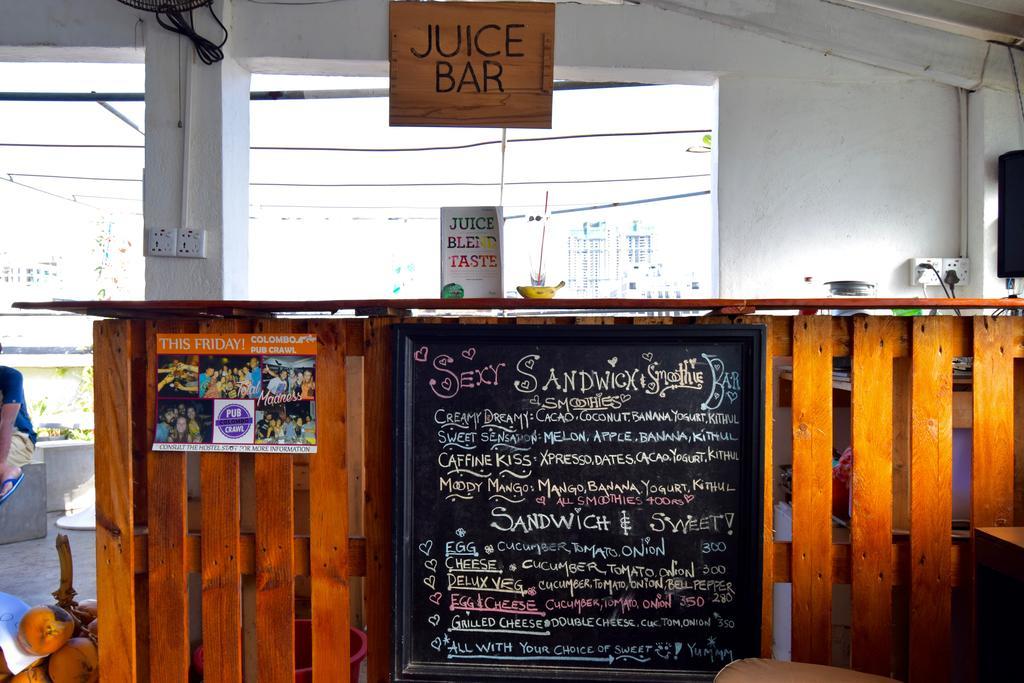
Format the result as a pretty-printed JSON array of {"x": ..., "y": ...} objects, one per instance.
[{"x": 345, "y": 242}]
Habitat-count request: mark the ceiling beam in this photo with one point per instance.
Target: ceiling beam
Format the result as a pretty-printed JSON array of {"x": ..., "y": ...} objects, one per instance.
[
  {"x": 965, "y": 18},
  {"x": 858, "y": 35}
]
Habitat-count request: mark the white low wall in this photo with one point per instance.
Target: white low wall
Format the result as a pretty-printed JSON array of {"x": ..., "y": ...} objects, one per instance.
[{"x": 70, "y": 474}]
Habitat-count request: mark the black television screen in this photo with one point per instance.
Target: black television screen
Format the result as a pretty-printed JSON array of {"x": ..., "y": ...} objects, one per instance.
[{"x": 1010, "y": 262}]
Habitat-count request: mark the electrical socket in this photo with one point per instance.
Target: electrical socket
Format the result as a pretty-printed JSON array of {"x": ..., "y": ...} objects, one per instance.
[
  {"x": 960, "y": 266},
  {"x": 161, "y": 242},
  {"x": 191, "y": 243},
  {"x": 924, "y": 276}
]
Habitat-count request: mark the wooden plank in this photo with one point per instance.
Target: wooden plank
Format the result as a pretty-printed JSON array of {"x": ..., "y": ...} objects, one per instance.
[
  {"x": 780, "y": 329},
  {"x": 992, "y": 428},
  {"x": 594, "y": 320},
  {"x": 812, "y": 489},
  {"x": 141, "y": 624},
  {"x": 355, "y": 446},
  {"x": 511, "y": 88},
  {"x": 328, "y": 501},
  {"x": 768, "y": 531},
  {"x": 200, "y": 308},
  {"x": 871, "y": 521},
  {"x": 901, "y": 424},
  {"x": 959, "y": 554},
  {"x": 353, "y": 337},
  {"x": 931, "y": 512},
  {"x": 963, "y": 402},
  {"x": 993, "y": 459},
  {"x": 1018, "y": 444},
  {"x": 247, "y": 554},
  {"x": 169, "y": 650},
  {"x": 842, "y": 335},
  {"x": 221, "y": 575},
  {"x": 377, "y": 380},
  {"x": 840, "y": 395},
  {"x": 275, "y": 553},
  {"x": 959, "y": 344},
  {"x": 143, "y": 415},
  {"x": 115, "y": 537},
  {"x": 143, "y": 409}
]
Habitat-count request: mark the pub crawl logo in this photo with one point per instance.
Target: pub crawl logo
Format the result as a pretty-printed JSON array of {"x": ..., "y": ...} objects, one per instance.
[{"x": 234, "y": 420}]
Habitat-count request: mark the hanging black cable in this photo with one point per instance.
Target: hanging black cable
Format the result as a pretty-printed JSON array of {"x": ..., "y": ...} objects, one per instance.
[
  {"x": 467, "y": 183},
  {"x": 175, "y": 21},
  {"x": 1016, "y": 82},
  {"x": 435, "y": 148}
]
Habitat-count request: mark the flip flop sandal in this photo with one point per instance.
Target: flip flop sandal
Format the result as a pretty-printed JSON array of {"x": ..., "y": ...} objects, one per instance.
[{"x": 16, "y": 483}]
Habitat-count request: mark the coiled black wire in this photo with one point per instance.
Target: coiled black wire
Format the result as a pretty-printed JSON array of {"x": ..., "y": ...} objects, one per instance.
[{"x": 208, "y": 51}]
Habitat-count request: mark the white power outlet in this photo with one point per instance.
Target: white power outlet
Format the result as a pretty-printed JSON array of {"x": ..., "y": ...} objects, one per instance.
[
  {"x": 161, "y": 242},
  {"x": 920, "y": 274},
  {"x": 960, "y": 266},
  {"x": 191, "y": 243}
]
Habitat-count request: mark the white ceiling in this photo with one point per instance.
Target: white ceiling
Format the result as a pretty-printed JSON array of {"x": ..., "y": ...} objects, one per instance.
[
  {"x": 947, "y": 41},
  {"x": 999, "y": 20},
  {"x": 988, "y": 20}
]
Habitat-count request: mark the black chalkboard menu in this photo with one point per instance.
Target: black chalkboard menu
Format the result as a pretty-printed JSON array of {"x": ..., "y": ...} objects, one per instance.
[{"x": 577, "y": 503}]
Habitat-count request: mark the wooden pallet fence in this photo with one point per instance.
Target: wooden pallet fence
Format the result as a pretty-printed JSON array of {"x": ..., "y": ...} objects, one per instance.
[{"x": 901, "y": 395}]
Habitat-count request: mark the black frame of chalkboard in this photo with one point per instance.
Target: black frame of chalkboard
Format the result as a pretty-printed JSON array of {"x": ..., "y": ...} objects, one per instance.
[{"x": 408, "y": 336}]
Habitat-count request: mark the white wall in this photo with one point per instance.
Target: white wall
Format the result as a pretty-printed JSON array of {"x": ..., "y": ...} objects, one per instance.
[
  {"x": 995, "y": 127},
  {"x": 834, "y": 181},
  {"x": 70, "y": 30},
  {"x": 827, "y": 166}
]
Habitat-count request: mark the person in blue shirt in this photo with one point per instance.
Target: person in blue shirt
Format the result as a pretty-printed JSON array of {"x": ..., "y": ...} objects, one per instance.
[
  {"x": 204, "y": 381},
  {"x": 163, "y": 429},
  {"x": 290, "y": 435},
  {"x": 255, "y": 377},
  {"x": 17, "y": 437}
]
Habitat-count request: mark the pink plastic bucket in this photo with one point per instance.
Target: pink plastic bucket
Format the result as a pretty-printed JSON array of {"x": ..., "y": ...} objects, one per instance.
[{"x": 304, "y": 651}]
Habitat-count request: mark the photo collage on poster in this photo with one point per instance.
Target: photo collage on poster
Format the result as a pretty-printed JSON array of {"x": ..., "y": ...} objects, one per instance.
[{"x": 236, "y": 392}]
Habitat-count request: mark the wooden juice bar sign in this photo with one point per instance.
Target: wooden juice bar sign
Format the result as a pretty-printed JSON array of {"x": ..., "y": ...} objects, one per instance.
[
  {"x": 472, "y": 64},
  {"x": 577, "y": 504}
]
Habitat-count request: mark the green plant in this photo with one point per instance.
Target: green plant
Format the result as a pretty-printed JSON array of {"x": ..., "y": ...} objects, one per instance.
[
  {"x": 38, "y": 408},
  {"x": 83, "y": 400}
]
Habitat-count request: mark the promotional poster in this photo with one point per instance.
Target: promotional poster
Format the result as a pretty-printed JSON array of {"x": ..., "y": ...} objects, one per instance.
[
  {"x": 250, "y": 393},
  {"x": 471, "y": 252}
]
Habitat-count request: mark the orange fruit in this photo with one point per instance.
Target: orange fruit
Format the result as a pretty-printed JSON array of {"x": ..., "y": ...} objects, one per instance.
[
  {"x": 77, "y": 662},
  {"x": 86, "y": 610},
  {"x": 44, "y": 629},
  {"x": 36, "y": 674}
]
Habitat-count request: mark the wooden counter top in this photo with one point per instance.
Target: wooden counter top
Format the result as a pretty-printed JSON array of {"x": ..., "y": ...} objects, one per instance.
[{"x": 243, "y": 309}]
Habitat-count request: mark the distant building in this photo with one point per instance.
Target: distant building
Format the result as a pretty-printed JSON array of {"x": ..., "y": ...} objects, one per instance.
[
  {"x": 608, "y": 261},
  {"x": 594, "y": 260},
  {"x": 28, "y": 279},
  {"x": 640, "y": 273},
  {"x": 31, "y": 275}
]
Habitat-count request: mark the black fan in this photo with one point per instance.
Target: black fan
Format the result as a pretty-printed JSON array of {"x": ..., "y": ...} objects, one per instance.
[
  {"x": 171, "y": 15},
  {"x": 166, "y": 5}
]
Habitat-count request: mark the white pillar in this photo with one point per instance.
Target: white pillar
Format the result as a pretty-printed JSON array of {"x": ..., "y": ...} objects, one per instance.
[{"x": 197, "y": 135}]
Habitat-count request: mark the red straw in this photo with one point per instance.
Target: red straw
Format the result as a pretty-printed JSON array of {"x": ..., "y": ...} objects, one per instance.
[{"x": 543, "y": 236}]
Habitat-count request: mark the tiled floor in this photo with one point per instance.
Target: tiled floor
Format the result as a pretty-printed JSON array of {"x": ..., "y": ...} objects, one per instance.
[{"x": 30, "y": 570}]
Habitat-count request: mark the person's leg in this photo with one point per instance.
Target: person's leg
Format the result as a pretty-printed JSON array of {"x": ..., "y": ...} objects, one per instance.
[{"x": 19, "y": 455}]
